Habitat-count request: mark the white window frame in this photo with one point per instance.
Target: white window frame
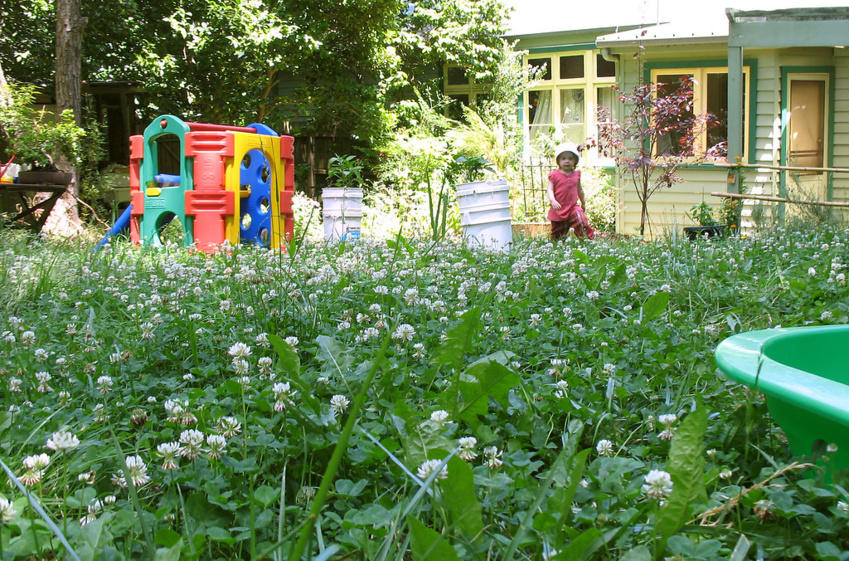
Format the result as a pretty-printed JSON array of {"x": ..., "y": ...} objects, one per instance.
[
  {"x": 470, "y": 88},
  {"x": 590, "y": 83}
]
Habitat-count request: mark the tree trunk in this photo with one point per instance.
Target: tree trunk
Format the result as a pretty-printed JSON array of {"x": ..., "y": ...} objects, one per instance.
[{"x": 69, "y": 39}]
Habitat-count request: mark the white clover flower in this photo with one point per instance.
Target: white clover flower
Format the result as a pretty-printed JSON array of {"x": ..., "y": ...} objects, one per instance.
[
  {"x": 147, "y": 330},
  {"x": 658, "y": 484},
  {"x": 592, "y": 295},
  {"x": 668, "y": 420},
  {"x": 467, "y": 448},
  {"x": 404, "y": 332},
  {"x": 63, "y": 441},
  {"x": 104, "y": 384},
  {"x": 812, "y": 272},
  {"x": 138, "y": 472},
  {"x": 43, "y": 379},
  {"x": 429, "y": 467},
  {"x": 239, "y": 350},
  {"x": 831, "y": 448},
  {"x": 7, "y": 511},
  {"x": 439, "y": 416},
  {"x": 725, "y": 473},
  {"x": 491, "y": 457},
  {"x": 170, "y": 453},
  {"x": 604, "y": 448},
  {"x": 283, "y": 394},
  {"x": 264, "y": 364},
  {"x": 216, "y": 444},
  {"x": 292, "y": 341},
  {"x": 339, "y": 403},
  {"x": 229, "y": 426},
  {"x": 28, "y": 338},
  {"x": 191, "y": 441},
  {"x": 93, "y": 509},
  {"x": 37, "y": 461}
]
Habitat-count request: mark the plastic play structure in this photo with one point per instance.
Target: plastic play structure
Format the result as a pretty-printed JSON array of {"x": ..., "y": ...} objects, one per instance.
[
  {"x": 235, "y": 185},
  {"x": 804, "y": 373}
]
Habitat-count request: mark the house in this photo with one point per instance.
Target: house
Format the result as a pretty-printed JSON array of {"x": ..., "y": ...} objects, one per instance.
[{"x": 786, "y": 98}]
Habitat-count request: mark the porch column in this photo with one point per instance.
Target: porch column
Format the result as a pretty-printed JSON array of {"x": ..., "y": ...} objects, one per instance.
[{"x": 735, "y": 107}]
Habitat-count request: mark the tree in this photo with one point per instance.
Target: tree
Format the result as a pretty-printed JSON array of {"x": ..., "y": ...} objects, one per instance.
[
  {"x": 654, "y": 139},
  {"x": 69, "y": 38}
]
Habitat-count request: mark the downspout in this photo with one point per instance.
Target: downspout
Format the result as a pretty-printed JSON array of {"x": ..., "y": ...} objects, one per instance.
[{"x": 610, "y": 57}]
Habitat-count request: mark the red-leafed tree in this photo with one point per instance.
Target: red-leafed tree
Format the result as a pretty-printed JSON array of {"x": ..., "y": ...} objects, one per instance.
[{"x": 657, "y": 135}]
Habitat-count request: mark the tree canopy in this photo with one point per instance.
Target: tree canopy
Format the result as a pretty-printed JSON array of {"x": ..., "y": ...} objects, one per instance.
[{"x": 325, "y": 66}]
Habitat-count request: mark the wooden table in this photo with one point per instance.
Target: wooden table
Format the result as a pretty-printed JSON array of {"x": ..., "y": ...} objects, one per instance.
[{"x": 21, "y": 194}]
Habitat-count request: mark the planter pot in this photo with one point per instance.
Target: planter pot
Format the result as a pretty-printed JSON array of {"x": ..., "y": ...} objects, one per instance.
[
  {"x": 44, "y": 178},
  {"x": 694, "y": 232},
  {"x": 532, "y": 229},
  {"x": 342, "y": 209}
]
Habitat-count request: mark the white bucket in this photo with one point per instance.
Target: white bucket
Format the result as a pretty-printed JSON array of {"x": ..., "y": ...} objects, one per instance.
[
  {"x": 485, "y": 214},
  {"x": 342, "y": 209}
]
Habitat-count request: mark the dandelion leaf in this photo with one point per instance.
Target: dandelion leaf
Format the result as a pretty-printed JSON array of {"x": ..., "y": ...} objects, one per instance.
[
  {"x": 492, "y": 379},
  {"x": 335, "y": 356},
  {"x": 287, "y": 358},
  {"x": 686, "y": 467},
  {"x": 169, "y": 553},
  {"x": 427, "y": 544},
  {"x": 462, "y": 501},
  {"x": 639, "y": 553},
  {"x": 459, "y": 341},
  {"x": 581, "y": 547},
  {"x": 655, "y": 305}
]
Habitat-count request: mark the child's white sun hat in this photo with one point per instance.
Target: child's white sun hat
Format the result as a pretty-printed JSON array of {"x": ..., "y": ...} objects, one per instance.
[{"x": 567, "y": 147}]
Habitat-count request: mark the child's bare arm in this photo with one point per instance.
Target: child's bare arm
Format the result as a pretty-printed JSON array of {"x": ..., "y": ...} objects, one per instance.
[{"x": 554, "y": 204}]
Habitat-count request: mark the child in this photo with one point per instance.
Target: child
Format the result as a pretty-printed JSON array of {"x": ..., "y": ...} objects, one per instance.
[{"x": 564, "y": 192}]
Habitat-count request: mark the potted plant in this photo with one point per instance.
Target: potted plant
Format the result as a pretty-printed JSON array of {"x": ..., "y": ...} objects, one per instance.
[
  {"x": 703, "y": 215},
  {"x": 485, "y": 213},
  {"x": 342, "y": 199},
  {"x": 33, "y": 137}
]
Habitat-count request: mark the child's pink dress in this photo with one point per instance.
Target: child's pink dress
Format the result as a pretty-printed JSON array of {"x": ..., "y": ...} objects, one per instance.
[{"x": 570, "y": 215}]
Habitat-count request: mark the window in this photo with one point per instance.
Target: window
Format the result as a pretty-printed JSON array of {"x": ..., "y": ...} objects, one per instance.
[
  {"x": 460, "y": 87},
  {"x": 564, "y": 91},
  {"x": 710, "y": 98}
]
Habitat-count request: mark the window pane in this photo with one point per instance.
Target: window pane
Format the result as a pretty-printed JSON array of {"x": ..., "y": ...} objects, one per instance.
[
  {"x": 455, "y": 108},
  {"x": 539, "y": 113},
  {"x": 539, "y": 110},
  {"x": 572, "y": 106},
  {"x": 571, "y": 67},
  {"x": 677, "y": 119},
  {"x": 542, "y": 68},
  {"x": 604, "y": 99},
  {"x": 604, "y": 68},
  {"x": 480, "y": 99},
  {"x": 717, "y": 108},
  {"x": 572, "y": 114},
  {"x": 457, "y": 76},
  {"x": 807, "y": 123}
]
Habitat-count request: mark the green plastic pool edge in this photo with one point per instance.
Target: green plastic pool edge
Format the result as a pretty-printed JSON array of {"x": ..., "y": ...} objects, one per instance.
[{"x": 807, "y": 406}]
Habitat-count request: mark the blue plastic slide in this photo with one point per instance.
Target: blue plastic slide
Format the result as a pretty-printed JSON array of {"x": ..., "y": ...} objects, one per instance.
[{"x": 122, "y": 224}]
